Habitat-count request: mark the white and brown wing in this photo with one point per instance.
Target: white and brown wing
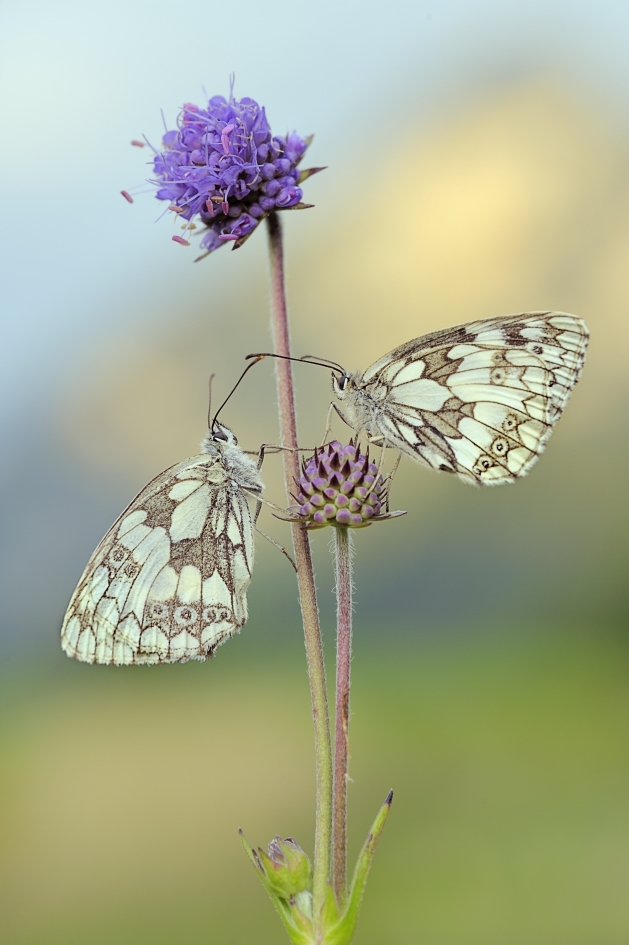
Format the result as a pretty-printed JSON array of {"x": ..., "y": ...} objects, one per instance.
[
  {"x": 168, "y": 581},
  {"x": 480, "y": 399}
]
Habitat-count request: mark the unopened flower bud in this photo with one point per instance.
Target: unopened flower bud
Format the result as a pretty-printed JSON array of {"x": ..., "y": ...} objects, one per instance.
[
  {"x": 340, "y": 486},
  {"x": 286, "y": 867}
]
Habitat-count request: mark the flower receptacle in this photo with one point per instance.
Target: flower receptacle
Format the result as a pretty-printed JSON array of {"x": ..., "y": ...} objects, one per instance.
[{"x": 285, "y": 874}]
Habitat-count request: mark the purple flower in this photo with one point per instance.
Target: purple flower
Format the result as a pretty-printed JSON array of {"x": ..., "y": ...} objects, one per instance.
[
  {"x": 223, "y": 165},
  {"x": 340, "y": 486}
]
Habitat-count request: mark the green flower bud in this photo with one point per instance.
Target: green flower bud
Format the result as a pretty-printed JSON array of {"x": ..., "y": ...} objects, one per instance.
[{"x": 286, "y": 868}]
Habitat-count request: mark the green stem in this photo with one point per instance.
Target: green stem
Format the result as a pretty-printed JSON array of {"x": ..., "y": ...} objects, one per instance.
[
  {"x": 343, "y": 555},
  {"x": 305, "y": 576}
]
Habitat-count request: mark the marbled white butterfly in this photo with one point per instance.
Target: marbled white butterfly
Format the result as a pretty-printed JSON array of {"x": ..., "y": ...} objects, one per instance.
[{"x": 479, "y": 400}]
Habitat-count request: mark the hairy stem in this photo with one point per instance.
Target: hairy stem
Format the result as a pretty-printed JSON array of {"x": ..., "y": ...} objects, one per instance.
[
  {"x": 343, "y": 555},
  {"x": 305, "y": 574}
]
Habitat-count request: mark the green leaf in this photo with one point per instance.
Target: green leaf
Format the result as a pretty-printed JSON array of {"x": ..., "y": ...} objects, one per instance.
[
  {"x": 250, "y": 853},
  {"x": 329, "y": 913},
  {"x": 342, "y": 932}
]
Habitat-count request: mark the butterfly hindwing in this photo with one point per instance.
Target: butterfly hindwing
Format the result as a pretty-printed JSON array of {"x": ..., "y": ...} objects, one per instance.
[
  {"x": 480, "y": 399},
  {"x": 168, "y": 582}
]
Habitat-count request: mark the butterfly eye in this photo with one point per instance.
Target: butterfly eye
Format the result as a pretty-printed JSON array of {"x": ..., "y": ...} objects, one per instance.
[
  {"x": 219, "y": 435},
  {"x": 341, "y": 382}
]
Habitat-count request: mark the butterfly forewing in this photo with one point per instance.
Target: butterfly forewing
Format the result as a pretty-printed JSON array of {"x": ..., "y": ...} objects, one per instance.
[
  {"x": 168, "y": 581},
  {"x": 479, "y": 399}
]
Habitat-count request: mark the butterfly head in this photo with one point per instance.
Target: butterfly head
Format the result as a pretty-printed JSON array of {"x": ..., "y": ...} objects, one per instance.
[
  {"x": 217, "y": 439},
  {"x": 219, "y": 433},
  {"x": 343, "y": 384}
]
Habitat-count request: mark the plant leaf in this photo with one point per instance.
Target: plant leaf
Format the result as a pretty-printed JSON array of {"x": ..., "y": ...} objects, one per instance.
[{"x": 342, "y": 933}]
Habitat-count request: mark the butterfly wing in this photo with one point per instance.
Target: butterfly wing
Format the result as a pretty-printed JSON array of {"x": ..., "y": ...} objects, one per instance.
[
  {"x": 480, "y": 399},
  {"x": 168, "y": 581}
]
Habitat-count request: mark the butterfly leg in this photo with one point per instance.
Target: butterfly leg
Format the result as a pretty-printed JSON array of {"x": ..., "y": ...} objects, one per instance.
[
  {"x": 342, "y": 415},
  {"x": 272, "y": 448},
  {"x": 382, "y": 441},
  {"x": 389, "y": 479},
  {"x": 273, "y": 542},
  {"x": 328, "y": 423},
  {"x": 259, "y": 467},
  {"x": 259, "y": 503},
  {"x": 384, "y": 445}
]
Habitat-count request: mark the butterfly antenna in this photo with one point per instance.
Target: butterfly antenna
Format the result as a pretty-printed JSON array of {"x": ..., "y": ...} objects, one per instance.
[
  {"x": 258, "y": 357},
  {"x": 307, "y": 359},
  {"x": 209, "y": 402},
  {"x": 324, "y": 362}
]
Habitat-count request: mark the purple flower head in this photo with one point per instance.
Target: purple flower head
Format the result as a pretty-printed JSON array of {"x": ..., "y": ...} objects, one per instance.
[
  {"x": 340, "y": 486},
  {"x": 223, "y": 165}
]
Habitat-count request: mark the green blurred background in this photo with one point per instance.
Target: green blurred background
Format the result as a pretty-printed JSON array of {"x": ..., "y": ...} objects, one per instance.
[{"x": 478, "y": 165}]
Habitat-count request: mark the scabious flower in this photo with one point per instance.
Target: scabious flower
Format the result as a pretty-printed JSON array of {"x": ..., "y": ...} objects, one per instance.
[
  {"x": 340, "y": 486},
  {"x": 223, "y": 165}
]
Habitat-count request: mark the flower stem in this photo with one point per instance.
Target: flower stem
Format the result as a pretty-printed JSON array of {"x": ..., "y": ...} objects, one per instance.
[
  {"x": 305, "y": 575},
  {"x": 343, "y": 549}
]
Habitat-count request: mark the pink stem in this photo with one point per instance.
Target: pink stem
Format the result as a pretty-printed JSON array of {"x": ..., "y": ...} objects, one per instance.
[
  {"x": 305, "y": 576},
  {"x": 341, "y": 740}
]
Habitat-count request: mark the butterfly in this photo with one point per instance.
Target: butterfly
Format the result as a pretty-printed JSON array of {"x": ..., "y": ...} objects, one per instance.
[
  {"x": 168, "y": 581},
  {"x": 478, "y": 400}
]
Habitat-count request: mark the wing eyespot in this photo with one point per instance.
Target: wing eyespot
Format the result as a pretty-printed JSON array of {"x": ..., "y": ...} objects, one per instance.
[
  {"x": 185, "y": 616},
  {"x": 157, "y": 611},
  {"x": 498, "y": 375},
  {"x": 216, "y": 615},
  {"x": 509, "y": 423},
  {"x": 484, "y": 463},
  {"x": 500, "y": 446}
]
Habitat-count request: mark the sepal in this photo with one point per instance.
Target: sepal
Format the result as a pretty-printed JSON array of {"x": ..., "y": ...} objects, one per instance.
[
  {"x": 342, "y": 931},
  {"x": 286, "y": 867},
  {"x": 306, "y": 173},
  {"x": 307, "y": 141},
  {"x": 296, "y": 910}
]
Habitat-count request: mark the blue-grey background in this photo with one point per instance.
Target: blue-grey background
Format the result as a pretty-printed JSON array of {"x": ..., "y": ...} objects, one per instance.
[{"x": 478, "y": 164}]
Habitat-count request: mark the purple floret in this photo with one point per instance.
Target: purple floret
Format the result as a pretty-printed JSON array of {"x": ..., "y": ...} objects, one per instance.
[{"x": 223, "y": 165}]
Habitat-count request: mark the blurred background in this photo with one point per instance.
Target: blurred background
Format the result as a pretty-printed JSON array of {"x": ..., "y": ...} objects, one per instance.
[{"x": 478, "y": 157}]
